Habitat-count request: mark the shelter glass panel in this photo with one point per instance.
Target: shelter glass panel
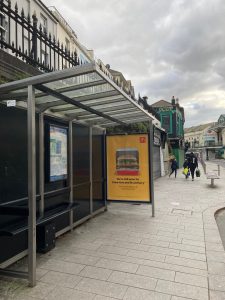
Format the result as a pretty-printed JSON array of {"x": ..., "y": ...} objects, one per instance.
[
  {"x": 81, "y": 170},
  {"x": 97, "y": 169}
]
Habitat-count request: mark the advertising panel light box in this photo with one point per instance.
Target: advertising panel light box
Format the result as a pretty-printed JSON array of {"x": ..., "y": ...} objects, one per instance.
[
  {"x": 128, "y": 168},
  {"x": 58, "y": 153}
]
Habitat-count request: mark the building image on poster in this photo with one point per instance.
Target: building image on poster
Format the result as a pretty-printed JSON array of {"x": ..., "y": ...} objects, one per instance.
[
  {"x": 127, "y": 161},
  {"x": 128, "y": 168},
  {"x": 58, "y": 153}
]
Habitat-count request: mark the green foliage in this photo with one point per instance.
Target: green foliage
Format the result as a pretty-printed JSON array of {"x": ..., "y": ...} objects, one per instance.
[
  {"x": 3, "y": 80},
  {"x": 20, "y": 76},
  {"x": 142, "y": 127},
  {"x": 17, "y": 76}
]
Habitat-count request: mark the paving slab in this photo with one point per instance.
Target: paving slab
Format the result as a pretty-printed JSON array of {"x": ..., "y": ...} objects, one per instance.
[
  {"x": 191, "y": 279},
  {"x": 141, "y": 294},
  {"x": 133, "y": 280},
  {"x": 103, "y": 288},
  {"x": 182, "y": 290}
]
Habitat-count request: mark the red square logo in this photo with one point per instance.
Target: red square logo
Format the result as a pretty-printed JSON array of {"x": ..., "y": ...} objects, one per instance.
[{"x": 142, "y": 139}]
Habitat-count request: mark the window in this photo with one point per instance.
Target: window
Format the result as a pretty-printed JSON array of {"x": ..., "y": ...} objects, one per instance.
[
  {"x": 44, "y": 57},
  {"x": 26, "y": 8},
  {"x": 43, "y": 22},
  {"x": 67, "y": 48},
  {"x": 166, "y": 123},
  {"x": 67, "y": 44},
  {"x": 3, "y": 26}
]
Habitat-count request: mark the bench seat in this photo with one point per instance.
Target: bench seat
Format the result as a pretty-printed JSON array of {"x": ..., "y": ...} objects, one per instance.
[
  {"x": 212, "y": 176},
  {"x": 49, "y": 215}
]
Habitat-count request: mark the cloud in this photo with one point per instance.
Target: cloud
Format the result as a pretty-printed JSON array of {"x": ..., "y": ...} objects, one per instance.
[{"x": 165, "y": 47}]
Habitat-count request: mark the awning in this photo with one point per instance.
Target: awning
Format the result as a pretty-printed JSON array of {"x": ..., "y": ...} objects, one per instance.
[{"x": 84, "y": 93}]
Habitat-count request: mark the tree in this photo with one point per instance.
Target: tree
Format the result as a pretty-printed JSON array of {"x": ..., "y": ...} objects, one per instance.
[{"x": 141, "y": 127}]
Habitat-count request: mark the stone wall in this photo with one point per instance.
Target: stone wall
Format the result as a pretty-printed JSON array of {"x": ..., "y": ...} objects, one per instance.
[{"x": 12, "y": 68}]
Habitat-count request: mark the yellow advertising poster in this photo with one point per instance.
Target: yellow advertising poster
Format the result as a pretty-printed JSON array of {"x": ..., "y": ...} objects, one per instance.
[{"x": 128, "y": 168}]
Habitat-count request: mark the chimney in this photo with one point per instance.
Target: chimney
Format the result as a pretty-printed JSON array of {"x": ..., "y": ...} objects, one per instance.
[
  {"x": 177, "y": 101},
  {"x": 173, "y": 100},
  {"x": 145, "y": 98}
]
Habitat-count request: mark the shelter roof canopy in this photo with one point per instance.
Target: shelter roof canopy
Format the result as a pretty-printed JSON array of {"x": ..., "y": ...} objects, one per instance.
[{"x": 83, "y": 93}]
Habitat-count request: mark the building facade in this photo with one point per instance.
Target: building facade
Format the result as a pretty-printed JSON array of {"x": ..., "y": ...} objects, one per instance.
[
  {"x": 172, "y": 120},
  {"x": 210, "y": 136},
  {"x": 125, "y": 84},
  {"x": 200, "y": 136},
  {"x": 40, "y": 36},
  {"x": 219, "y": 130},
  {"x": 67, "y": 36},
  {"x": 160, "y": 142}
]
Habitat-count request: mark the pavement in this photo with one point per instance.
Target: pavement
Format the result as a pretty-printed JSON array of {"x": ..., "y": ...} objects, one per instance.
[{"x": 126, "y": 254}]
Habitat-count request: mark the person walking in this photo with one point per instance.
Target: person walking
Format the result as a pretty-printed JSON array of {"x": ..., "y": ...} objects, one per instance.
[
  {"x": 193, "y": 164},
  {"x": 186, "y": 168},
  {"x": 174, "y": 167}
]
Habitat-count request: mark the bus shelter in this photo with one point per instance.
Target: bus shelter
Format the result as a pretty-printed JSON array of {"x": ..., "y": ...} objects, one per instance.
[{"x": 53, "y": 148}]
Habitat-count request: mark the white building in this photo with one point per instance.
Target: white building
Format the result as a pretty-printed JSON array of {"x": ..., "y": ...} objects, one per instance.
[
  {"x": 201, "y": 135},
  {"x": 67, "y": 36},
  {"x": 220, "y": 129},
  {"x": 54, "y": 44}
]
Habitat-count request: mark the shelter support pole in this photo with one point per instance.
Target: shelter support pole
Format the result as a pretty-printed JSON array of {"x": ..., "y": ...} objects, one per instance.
[
  {"x": 71, "y": 170},
  {"x": 91, "y": 175},
  {"x": 41, "y": 163},
  {"x": 31, "y": 186},
  {"x": 104, "y": 169},
  {"x": 151, "y": 180}
]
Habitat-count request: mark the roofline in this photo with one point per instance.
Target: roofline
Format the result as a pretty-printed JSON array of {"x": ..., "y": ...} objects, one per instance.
[{"x": 39, "y": 2}]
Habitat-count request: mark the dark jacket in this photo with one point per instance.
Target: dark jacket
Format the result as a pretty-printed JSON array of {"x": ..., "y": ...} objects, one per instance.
[
  {"x": 174, "y": 164},
  {"x": 186, "y": 164},
  {"x": 193, "y": 161}
]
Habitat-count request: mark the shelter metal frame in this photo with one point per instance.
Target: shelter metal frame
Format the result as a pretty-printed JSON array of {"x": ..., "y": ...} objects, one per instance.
[{"x": 83, "y": 94}]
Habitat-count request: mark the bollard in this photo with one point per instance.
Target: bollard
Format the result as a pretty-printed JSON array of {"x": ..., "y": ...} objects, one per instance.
[{"x": 218, "y": 170}]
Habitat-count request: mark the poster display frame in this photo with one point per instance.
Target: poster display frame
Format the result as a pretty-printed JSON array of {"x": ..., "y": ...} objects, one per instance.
[
  {"x": 55, "y": 123},
  {"x": 150, "y": 168},
  {"x": 63, "y": 131}
]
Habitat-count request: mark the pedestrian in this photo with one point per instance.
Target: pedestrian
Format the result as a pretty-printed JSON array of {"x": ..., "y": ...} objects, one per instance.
[
  {"x": 193, "y": 164},
  {"x": 186, "y": 168},
  {"x": 174, "y": 167}
]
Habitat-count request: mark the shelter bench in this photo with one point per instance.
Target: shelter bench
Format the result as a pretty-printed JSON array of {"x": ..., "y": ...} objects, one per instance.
[
  {"x": 18, "y": 227},
  {"x": 22, "y": 211},
  {"x": 212, "y": 176}
]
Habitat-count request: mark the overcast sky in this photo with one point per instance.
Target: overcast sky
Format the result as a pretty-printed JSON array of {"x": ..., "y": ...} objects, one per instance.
[{"x": 166, "y": 47}]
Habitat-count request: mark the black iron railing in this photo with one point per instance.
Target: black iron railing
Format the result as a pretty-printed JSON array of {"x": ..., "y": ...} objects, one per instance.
[{"x": 29, "y": 41}]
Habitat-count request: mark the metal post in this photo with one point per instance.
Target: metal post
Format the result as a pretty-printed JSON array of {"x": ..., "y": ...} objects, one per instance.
[
  {"x": 71, "y": 170},
  {"x": 207, "y": 154},
  {"x": 41, "y": 163},
  {"x": 218, "y": 170},
  {"x": 104, "y": 169},
  {"x": 31, "y": 186},
  {"x": 91, "y": 175},
  {"x": 34, "y": 38},
  {"x": 151, "y": 182}
]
